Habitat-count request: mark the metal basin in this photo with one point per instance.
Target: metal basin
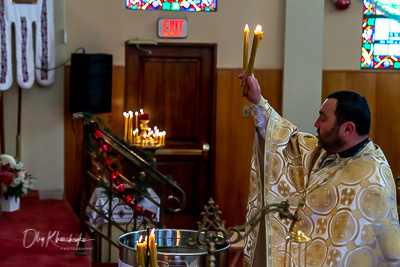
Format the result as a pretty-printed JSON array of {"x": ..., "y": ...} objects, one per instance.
[{"x": 172, "y": 249}]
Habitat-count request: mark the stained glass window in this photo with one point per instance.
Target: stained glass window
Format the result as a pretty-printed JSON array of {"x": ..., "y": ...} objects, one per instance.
[
  {"x": 173, "y": 5},
  {"x": 380, "y": 40}
]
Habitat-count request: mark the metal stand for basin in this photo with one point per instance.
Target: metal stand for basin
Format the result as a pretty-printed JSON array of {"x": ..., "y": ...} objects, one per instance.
[{"x": 213, "y": 228}]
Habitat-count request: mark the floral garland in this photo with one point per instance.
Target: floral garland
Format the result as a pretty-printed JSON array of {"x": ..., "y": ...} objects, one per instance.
[{"x": 102, "y": 152}]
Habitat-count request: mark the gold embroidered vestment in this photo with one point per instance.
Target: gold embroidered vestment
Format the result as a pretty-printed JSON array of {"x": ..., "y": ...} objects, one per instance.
[{"x": 350, "y": 208}]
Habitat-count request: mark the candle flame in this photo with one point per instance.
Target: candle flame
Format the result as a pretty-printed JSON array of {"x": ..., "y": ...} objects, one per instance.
[
  {"x": 153, "y": 231},
  {"x": 136, "y": 113},
  {"x": 246, "y": 28},
  {"x": 141, "y": 111},
  {"x": 258, "y": 29},
  {"x": 140, "y": 239}
]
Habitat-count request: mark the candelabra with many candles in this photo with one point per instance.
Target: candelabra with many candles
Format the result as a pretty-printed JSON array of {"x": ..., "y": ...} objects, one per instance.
[{"x": 142, "y": 136}]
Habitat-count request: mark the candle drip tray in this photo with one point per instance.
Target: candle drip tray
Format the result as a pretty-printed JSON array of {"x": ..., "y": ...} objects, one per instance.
[
  {"x": 147, "y": 146},
  {"x": 172, "y": 249}
]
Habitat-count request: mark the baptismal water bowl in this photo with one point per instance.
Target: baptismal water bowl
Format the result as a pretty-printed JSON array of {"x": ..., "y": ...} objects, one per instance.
[{"x": 173, "y": 249}]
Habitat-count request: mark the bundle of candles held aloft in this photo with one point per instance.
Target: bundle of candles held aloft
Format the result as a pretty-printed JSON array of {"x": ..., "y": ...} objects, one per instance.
[
  {"x": 146, "y": 252},
  {"x": 142, "y": 135},
  {"x": 248, "y": 66}
]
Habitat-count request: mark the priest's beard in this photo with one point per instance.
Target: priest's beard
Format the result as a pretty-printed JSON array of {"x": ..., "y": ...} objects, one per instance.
[{"x": 331, "y": 141}]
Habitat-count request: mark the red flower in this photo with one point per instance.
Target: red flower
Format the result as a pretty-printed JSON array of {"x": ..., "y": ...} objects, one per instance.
[{"x": 6, "y": 176}]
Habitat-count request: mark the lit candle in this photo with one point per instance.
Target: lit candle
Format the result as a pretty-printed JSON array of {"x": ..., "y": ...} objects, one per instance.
[
  {"x": 258, "y": 35},
  {"x": 140, "y": 252},
  {"x": 153, "y": 249},
  {"x": 245, "y": 46},
  {"x": 146, "y": 250},
  {"x": 126, "y": 115},
  {"x": 142, "y": 115},
  {"x": 130, "y": 126},
  {"x": 136, "y": 114}
]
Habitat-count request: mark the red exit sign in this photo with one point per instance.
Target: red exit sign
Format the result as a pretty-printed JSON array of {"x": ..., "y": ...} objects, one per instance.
[{"x": 172, "y": 28}]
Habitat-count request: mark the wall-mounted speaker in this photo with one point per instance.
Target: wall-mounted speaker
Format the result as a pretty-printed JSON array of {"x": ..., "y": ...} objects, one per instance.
[{"x": 90, "y": 83}]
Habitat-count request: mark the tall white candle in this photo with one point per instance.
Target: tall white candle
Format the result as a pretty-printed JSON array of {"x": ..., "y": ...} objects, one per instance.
[
  {"x": 130, "y": 128},
  {"x": 246, "y": 32},
  {"x": 136, "y": 115},
  {"x": 126, "y": 115},
  {"x": 258, "y": 35}
]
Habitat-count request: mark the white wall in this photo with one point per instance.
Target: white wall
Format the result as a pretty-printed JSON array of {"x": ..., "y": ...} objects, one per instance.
[
  {"x": 102, "y": 26},
  {"x": 42, "y": 120},
  {"x": 342, "y": 36},
  {"x": 110, "y": 24}
]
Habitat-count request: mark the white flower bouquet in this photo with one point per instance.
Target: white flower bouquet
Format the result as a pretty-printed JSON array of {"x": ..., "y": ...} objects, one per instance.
[{"x": 14, "y": 179}]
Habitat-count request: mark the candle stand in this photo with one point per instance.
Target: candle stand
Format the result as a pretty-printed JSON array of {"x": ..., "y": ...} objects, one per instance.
[
  {"x": 143, "y": 126},
  {"x": 213, "y": 228},
  {"x": 145, "y": 138}
]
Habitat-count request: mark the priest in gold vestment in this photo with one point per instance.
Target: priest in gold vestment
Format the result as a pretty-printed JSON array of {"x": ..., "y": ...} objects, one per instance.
[{"x": 340, "y": 183}]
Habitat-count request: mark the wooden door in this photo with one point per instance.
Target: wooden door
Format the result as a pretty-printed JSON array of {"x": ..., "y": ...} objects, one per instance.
[{"x": 175, "y": 84}]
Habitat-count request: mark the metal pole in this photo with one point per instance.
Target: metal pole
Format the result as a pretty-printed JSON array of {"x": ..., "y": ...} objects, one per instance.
[
  {"x": 2, "y": 143},
  {"x": 18, "y": 147}
]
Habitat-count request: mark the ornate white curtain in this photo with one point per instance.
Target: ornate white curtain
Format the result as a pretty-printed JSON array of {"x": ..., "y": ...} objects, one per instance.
[{"x": 25, "y": 16}]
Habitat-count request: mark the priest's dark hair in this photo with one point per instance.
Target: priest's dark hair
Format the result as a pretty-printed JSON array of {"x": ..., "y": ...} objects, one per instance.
[{"x": 353, "y": 107}]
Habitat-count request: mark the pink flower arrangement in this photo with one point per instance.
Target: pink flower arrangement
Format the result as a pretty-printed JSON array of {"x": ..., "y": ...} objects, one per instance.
[{"x": 15, "y": 181}]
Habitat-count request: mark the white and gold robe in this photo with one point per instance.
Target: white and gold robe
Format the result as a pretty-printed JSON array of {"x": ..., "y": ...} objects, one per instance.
[{"x": 350, "y": 209}]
